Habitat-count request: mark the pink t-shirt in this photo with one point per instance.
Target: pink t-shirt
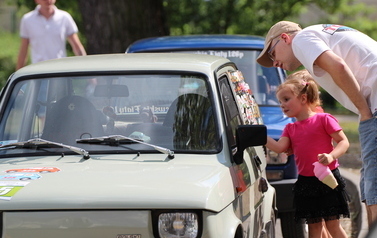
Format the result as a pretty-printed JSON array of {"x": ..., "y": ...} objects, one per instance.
[{"x": 311, "y": 137}]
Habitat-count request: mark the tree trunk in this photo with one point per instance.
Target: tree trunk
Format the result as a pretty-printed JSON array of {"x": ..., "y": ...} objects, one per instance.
[{"x": 110, "y": 26}]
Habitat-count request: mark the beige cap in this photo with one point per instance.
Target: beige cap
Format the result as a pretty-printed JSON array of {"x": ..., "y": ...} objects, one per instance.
[{"x": 275, "y": 31}]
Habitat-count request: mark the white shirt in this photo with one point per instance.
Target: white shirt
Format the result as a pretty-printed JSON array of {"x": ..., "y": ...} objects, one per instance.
[
  {"x": 358, "y": 50},
  {"x": 47, "y": 37}
]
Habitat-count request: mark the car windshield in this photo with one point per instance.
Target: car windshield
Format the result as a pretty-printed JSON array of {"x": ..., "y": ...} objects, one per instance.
[
  {"x": 173, "y": 111},
  {"x": 263, "y": 81}
]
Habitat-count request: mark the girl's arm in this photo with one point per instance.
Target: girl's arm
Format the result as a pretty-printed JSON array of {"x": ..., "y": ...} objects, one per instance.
[
  {"x": 279, "y": 146},
  {"x": 340, "y": 148}
]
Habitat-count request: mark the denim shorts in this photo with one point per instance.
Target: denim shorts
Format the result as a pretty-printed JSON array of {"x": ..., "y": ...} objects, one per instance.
[{"x": 368, "y": 143}]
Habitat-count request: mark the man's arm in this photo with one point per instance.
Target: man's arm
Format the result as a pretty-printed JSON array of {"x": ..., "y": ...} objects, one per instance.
[
  {"x": 22, "y": 55},
  {"x": 344, "y": 78},
  {"x": 77, "y": 47}
]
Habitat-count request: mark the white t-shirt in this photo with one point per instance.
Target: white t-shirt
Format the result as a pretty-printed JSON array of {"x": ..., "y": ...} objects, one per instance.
[
  {"x": 47, "y": 37},
  {"x": 358, "y": 50}
]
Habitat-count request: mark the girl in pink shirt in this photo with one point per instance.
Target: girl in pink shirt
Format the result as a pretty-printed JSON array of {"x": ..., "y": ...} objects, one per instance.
[{"x": 311, "y": 140}]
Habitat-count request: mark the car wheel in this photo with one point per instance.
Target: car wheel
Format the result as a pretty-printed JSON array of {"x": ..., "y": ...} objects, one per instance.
[{"x": 290, "y": 228}]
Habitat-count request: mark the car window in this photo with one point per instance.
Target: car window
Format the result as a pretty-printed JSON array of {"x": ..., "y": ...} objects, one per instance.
[
  {"x": 230, "y": 109},
  {"x": 168, "y": 110},
  {"x": 239, "y": 105},
  {"x": 263, "y": 81}
]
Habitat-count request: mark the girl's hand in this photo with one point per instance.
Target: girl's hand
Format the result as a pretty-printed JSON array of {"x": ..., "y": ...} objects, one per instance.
[{"x": 325, "y": 159}]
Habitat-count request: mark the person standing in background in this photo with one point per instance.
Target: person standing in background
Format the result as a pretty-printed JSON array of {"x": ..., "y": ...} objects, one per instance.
[{"x": 46, "y": 30}]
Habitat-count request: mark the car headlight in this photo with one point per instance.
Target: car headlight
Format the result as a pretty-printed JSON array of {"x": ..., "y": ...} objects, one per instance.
[
  {"x": 274, "y": 158},
  {"x": 178, "y": 224}
]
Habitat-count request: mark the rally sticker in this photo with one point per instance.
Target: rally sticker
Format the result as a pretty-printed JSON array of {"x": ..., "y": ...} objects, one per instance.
[
  {"x": 17, "y": 178},
  {"x": 9, "y": 188},
  {"x": 20, "y": 176},
  {"x": 35, "y": 170}
]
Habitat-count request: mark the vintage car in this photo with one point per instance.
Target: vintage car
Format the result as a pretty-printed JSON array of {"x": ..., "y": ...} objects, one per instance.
[{"x": 147, "y": 145}]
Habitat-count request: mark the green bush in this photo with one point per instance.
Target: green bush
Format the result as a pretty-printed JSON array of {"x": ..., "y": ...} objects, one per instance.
[
  {"x": 327, "y": 100},
  {"x": 351, "y": 130},
  {"x": 7, "y": 66},
  {"x": 9, "y": 47},
  {"x": 330, "y": 105}
]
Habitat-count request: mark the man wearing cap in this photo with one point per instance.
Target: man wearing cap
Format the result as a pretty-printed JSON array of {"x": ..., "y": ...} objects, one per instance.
[{"x": 344, "y": 62}]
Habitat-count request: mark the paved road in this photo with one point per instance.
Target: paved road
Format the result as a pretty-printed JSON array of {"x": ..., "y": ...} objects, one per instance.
[{"x": 354, "y": 176}]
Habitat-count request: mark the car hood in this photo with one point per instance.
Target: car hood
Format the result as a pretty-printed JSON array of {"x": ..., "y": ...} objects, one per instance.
[{"x": 147, "y": 181}]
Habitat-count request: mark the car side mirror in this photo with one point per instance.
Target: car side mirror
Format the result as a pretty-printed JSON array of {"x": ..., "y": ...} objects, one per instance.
[{"x": 249, "y": 135}]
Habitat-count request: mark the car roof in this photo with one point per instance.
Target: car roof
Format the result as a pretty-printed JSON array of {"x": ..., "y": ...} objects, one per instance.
[
  {"x": 205, "y": 64},
  {"x": 197, "y": 42}
]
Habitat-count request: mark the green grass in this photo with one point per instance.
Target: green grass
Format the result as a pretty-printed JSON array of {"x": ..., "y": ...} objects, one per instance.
[
  {"x": 352, "y": 157},
  {"x": 350, "y": 128},
  {"x": 9, "y": 45},
  {"x": 351, "y": 131}
]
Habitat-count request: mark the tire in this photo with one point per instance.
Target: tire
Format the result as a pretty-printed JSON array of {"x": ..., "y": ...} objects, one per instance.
[{"x": 290, "y": 228}]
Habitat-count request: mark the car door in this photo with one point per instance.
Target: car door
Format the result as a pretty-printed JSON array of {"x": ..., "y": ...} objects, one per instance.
[{"x": 239, "y": 109}]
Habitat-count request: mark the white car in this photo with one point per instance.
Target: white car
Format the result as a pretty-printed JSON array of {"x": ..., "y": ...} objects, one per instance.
[{"x": 145, "y": 145}]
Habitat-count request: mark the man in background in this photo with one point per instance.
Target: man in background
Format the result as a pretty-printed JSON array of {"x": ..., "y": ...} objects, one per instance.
[{"x": 46, "y": 30}]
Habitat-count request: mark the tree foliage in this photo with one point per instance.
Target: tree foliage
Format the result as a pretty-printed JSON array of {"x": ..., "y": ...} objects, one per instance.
[
  {"x": 356, "y": 15},
  {"x": 110, "y": 26},
  {"x": 235, "y": 16}
]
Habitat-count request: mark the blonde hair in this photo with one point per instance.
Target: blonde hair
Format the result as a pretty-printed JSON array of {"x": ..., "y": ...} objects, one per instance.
[{"x": 302, "y": 82}]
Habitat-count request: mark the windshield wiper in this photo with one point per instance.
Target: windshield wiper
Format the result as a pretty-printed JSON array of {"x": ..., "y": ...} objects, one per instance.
[
  {"x": 40, "y": 143},
  {"x": 119, "y": 139}
]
